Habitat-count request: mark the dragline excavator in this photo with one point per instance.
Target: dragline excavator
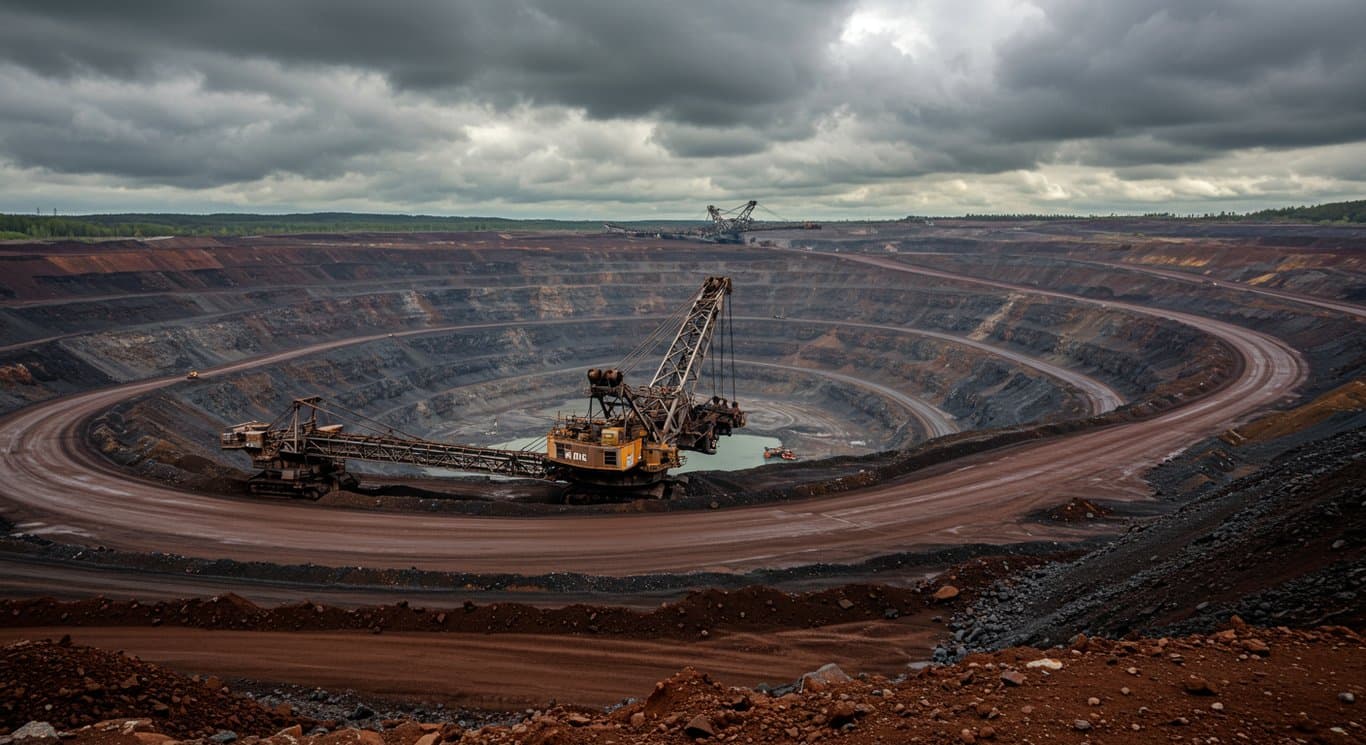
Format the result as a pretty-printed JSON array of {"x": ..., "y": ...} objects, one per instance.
[
  {"x": 726, "y": 226},
  {"x": 631, "y": 436}
]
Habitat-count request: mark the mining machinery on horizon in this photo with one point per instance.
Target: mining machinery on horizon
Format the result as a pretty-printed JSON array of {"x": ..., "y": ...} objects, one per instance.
[{"x": 726, "y": 226}]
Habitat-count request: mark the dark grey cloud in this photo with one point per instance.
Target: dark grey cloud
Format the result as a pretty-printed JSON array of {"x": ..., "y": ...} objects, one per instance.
[
  {"x": 1105, "y": 83},
  {"x": 708, "y": 62},
  {"x": 525, "y": 101},
  {"x": 1214, "y": 74},
  {"x": 172, "y": 133}
]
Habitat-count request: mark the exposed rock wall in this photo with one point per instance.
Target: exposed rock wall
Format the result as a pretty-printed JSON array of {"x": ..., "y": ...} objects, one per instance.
[
  {"x": 1331, "y": 342},
  {"x": 233, "y": 300}
]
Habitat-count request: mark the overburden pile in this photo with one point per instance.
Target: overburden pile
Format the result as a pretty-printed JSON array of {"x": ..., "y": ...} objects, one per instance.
[{"x": 1240, "y": 684}]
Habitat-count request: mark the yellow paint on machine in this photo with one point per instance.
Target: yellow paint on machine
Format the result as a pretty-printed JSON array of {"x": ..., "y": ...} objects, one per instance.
[{"x": 609, "y": 455}]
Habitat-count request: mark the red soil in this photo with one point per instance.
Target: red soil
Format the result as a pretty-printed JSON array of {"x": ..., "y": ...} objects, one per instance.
[{"x": 1239, "y": 685}]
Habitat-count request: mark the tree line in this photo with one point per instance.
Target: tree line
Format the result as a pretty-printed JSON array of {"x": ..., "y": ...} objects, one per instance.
[
  {"x": 146, "y": 225},
  {"x": 1334, "y": 212},
  {"x": 143, "y": 225}
]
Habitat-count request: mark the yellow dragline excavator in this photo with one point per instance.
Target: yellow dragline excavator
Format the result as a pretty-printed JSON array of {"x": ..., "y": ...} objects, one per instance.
[{"x": 630, "y": 438}]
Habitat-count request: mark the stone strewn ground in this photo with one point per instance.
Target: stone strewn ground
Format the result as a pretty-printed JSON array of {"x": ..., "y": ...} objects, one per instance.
[
  {"x": 72, "y": 686},
  {"x": 1282, "y": 546},
  {"x": 1241, "y": 684}
]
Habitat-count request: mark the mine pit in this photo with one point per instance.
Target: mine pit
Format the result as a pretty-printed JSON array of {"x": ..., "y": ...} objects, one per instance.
[
  {"x": 602, "y": 373},
  {"x": 887, "y": 386},
  {"x": 975, "y": 420}
]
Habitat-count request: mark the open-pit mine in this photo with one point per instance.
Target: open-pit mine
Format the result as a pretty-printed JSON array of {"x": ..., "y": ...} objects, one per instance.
[{"x": 499, "y": 481}]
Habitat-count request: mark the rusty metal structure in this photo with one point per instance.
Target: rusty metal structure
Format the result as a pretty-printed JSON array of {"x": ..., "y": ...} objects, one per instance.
[
  {"x": 726, "y": 226},
  {"x": 630, "y": 438},
  {"x": 298, "y": 456},
  {"x": 633, "y": 435},
  {"x": 731, "y": 223}
]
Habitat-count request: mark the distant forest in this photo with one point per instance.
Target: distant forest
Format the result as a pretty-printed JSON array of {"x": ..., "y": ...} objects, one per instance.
[
  {"x": 1335, "y": 212},
  {"x": 141, "y": 225},
  {"x": 1354, "y": 212}
]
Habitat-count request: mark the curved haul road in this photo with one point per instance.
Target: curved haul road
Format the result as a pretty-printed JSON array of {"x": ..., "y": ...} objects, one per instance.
[
  {"x": 1099, "y": 396},
  {"x": 49, "y": 474}
]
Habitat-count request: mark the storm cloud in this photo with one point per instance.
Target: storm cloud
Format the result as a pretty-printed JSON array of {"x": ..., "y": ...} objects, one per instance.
[{"x": 866, "y": 107}]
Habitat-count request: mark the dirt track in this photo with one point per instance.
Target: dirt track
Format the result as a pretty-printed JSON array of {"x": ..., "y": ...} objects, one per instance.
[
  {"x": 1339, "y": 306},
  {"x": 936, "y": 421},
  {"x": 1099, "y": 396},
  {"x": 67, "y": 490},
  {"x": 504, "y": 671}
]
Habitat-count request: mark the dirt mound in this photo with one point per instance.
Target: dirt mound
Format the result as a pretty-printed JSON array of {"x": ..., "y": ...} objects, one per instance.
[
  {"x": 750, "y": 609},
  {"x": 1237, "y": 685},
  {"x": 971, "y": 578},
  {"x": 72, "y": 686},
  {"x": 1077, "y": 510},
  {"x": 1119, "y": 692}
]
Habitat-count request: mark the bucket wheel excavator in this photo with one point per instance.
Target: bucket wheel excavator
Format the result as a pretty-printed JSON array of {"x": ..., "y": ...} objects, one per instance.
[{"x": 630, "y": 438}]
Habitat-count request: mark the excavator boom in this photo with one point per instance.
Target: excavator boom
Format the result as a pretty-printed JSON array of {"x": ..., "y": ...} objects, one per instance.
[
  {"x": 633, "y": 440},
  {"x": 726, "y": 226},
  {"x": 298, "y": 456},
  {"x": 679, "y": 369},
  {"x": 639, "y": 430}
]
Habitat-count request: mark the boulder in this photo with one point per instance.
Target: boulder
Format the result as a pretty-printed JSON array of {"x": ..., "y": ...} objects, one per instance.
[
  {"x": 1198, "y": 686},
  {"x": 842, "y": 713},
  {"x": 824, "y": 677},
  {"x": 699, "y": 726},
  {"x": 34, "y": 731}
]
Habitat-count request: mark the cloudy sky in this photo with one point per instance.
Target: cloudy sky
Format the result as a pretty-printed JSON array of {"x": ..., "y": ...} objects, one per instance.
[{"x": 592, "y": 108}]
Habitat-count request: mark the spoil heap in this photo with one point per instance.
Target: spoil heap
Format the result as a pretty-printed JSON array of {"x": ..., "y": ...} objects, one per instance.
[
  {"x": 1240, "y": 684},
  {"x": 1281, "y": 546},
  {"x": 72, "y": 686},
  {"x": 750, "y": 609}
]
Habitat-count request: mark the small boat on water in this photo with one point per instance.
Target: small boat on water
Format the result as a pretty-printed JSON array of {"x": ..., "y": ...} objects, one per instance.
[{"x": 780, "y": 452}]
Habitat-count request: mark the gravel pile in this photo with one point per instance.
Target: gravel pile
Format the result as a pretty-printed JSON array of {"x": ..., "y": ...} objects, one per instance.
[
  {"x": 71, "y": 686},
  {"x": 1286, "y": 545}
]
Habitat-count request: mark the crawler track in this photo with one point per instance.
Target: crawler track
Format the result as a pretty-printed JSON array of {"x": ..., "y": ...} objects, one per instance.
[{"x": 53, "y": 479}]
